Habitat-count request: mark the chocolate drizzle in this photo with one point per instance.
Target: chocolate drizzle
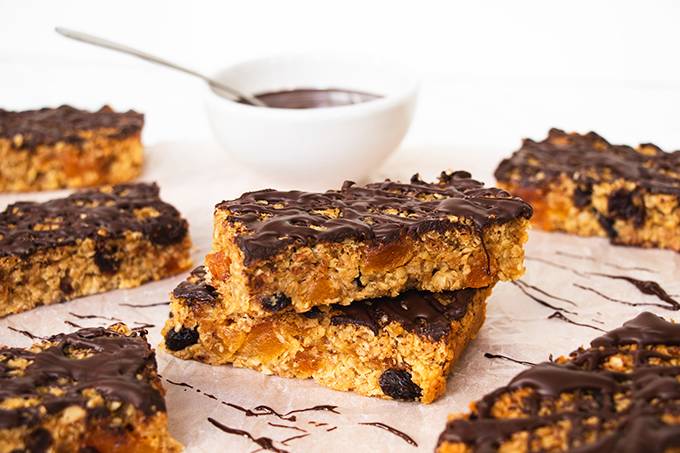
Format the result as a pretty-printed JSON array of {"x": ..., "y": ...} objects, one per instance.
[
  {"x": 623, "y": 395},
  {"x": 28, "y": 227},
  {"x": 427, "y": 314},
  {"x": 195, "y": 289},
  {"x": 589, "y": 159},
  {"x": 93, "y": 358},
  {"x": 265, "y": 443},
  {"x": 561, "y": 317},
  {"x": 378, "y": 213},
  {"x": 408, "y": 439},
  {"x": 524, "y": 287},
  {"x": 28, "y": 129},
  {"x": 489, "y": 355},
  {"x": 646, "y": 287}
]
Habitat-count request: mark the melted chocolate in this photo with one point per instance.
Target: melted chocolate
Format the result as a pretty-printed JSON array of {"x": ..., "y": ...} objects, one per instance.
[
  {"x": 28, "y": 227},
  {"x": 378, "y": 213},
  {"x": 25, "y": 333},
  {"x": 489, "y": 355},
  {"x": 646, "y": 287},
  {"x": 597, "y": 394},
  {"x": 112, "y": 369},
  {"x": 195, "y": 289},
  {"x": 66, "y": 124},
  {"x": 588, "y": 159},
  {"x": 427, "y": 314},
  {"x": 561, "y": 317},
  {"x": 265, "y": 443},
  {"x": 311, "y": 98},
  {"x": 105, "y": 318},
  {"x": 408, "y": 439},
  {"x": 522, "y": 286},
  {"x": 154, "y": 304},
  {"x": 556, "y": 265},
  {"x": 622, "y": 302},
  {"x": 595, "y": 260},
  {"x": 290, "y": 439},
  {"x": 294, "y": 428}
]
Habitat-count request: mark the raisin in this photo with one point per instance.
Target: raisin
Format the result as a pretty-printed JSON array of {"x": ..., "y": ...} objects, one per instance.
[
  {"x": 66, "y": 285},
  {"x": 275, "y": 303},
  {"x": 583, "y": 196},
  {"x": 626, "y": 205},
  {"x": 397, "y": 384},
  {"x": 38, "y": 441},
  {"x": 608, "y": 225},
  {"x": 104, "y": 258},
  {"x": 176, "y": 340}
]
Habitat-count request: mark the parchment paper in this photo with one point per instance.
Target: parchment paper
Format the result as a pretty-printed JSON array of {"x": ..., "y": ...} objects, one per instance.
[{"x": 195, "y": 177}]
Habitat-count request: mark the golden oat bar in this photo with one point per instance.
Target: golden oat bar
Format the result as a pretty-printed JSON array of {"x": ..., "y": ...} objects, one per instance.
[
  {"x": 60, "y": 147},
  {"x": 94, "y": 390},
  {"x": 400, "y": 348},
  {"x": 581, "y": 184},
  {"x": 275, "y": 249},
  {"x": 89, "y": 242},
  {"x": 622, "y": 394}
]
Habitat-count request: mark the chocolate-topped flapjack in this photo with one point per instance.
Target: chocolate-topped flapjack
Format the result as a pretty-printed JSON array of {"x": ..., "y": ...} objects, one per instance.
[
  {"x": 58, "y": 147},
  {"x": 274, "y": 249},
  {"x": 584, "y": 185},
  {"x": 31, "y": 128},
  {"x": 90, "y": 241},
  {"x": 95, "y": 388},
  {"x": 621, "y": 394},
  {"x": 400, "y": 348}
]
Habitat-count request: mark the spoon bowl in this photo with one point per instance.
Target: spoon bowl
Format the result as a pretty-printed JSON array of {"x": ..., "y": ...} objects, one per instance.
[{"x": 316, "y": 148}]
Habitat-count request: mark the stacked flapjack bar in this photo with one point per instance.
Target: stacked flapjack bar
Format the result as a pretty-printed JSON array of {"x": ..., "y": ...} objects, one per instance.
[
  {"x": 93, "y": 390},
  {"x": 375, "y": 289},
  {"x": 91, "y": 241},
  {"x": 622, "y": 394},
  {"x": 60, "y": 147},
  {"x": 581, "y": 184}
]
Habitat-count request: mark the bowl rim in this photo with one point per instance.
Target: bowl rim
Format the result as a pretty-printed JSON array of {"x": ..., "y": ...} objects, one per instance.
[{"x": 403, "y": 95}]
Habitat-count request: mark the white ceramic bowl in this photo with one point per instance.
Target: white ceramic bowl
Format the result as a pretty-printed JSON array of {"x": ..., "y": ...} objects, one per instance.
[{"x": 321, "y": 147}]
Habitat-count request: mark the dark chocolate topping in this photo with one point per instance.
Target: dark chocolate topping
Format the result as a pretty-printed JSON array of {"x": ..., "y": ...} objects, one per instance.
[
  {"x": 195, "y": 289},
  {"x": 421, "y": 312},
  {"x": 377, "y": 213},
  {"x": 609, "y": 410},
  {"x": 425, "y": 313},
  {"x": 48, "y": 126},
  {"x": 110, "y": 364},
  {"x": 27, "y": 227},
  {"x": 589, "y": 159}
]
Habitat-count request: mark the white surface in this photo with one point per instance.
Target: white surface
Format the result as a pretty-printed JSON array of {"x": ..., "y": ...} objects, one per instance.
[
  {"x": 312, "y": 149},
  {"x": 516, "y": 325},
  {"x": 493, "y": 72}
]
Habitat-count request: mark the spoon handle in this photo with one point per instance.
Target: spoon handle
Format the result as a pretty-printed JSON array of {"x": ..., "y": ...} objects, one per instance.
[{"x": 101, "y": 42}]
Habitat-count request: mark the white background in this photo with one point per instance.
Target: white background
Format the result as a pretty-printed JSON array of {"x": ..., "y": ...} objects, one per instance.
[{"x": 493, "y": 71}]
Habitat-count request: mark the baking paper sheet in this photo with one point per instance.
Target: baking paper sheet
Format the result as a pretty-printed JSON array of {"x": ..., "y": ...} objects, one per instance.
[{"x": 195, "y": 177}]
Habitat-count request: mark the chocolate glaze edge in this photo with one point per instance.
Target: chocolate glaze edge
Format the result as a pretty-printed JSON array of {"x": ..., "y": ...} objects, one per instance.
[
  {"x": 638, "y": 428},
  {"x": 112, "y": 370},
  {"x": 115, "y": 213},
  {"x": 359, "y": 213},
  {"x": 48, "y": 126}
]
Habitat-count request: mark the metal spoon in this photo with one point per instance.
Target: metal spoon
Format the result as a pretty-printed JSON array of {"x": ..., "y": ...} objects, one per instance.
[{"x": 221, "y": 89}]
